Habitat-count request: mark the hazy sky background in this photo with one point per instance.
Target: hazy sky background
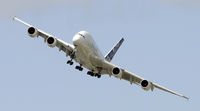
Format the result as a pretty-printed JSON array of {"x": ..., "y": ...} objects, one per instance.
[{"x": 162, "y": 41}]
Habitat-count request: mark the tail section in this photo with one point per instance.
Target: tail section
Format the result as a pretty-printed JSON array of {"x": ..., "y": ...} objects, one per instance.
[{"x": 112, "y": 53}]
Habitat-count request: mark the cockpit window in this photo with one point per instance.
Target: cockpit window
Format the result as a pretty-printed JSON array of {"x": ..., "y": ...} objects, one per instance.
[{"x": 81, "y": 35}]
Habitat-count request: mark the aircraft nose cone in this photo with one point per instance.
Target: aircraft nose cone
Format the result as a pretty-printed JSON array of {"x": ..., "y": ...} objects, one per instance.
[{"x": 76, "y": 40}]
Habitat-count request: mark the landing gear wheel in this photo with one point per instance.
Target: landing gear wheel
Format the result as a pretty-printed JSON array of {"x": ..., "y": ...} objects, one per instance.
[
  {"x": 92, "y": 74},
  {"x": 89, "y": 73},
  {"x": 79, "y": 68},
  {"x": 98, "y": 76},
  {"x": 70, "y": 62}
]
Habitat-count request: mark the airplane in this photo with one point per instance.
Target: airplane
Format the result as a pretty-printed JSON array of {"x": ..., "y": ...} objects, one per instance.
[{"x": 85, "y": 52}]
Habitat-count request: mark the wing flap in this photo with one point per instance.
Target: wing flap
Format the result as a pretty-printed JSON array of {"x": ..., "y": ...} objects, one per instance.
[{"x": 132, "y": 78}]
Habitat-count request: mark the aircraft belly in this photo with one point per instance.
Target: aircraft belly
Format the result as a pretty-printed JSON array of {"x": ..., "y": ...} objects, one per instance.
[{"x": 83, "y": 56}]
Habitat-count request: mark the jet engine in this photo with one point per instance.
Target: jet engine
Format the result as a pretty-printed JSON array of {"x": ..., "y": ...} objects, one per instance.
[
  {"x": 116, "y": 71},
  {"x": 146, "y": 85},
  {"x": 51, "y": 41},
  {"x": 32, "y": 32}
]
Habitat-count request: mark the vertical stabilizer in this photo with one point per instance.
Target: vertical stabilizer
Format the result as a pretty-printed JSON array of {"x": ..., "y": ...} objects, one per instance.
[{"x": 112, "y": 53}]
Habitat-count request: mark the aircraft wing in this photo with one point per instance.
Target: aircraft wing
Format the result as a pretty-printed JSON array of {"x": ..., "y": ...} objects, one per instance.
[
  {"x": 62, "y": 45},
  {"x": 133, "y": 78}
]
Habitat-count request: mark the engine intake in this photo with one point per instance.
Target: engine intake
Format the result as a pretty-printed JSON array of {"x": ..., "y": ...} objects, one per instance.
[
  {"x": 146, "y": 85},
  {"x": 116, "y": 71},
  {"x": 32, "y": 32},
  {"x": 51, "y": 41}
]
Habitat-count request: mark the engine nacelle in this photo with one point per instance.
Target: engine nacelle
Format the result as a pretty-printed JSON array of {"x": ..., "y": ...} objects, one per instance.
[
  {"x": 146, "y": 85},
  {"x": 32, "y": 32},
  {"x": 116, "y": 71},
  {"x": 51, "y": 41}
]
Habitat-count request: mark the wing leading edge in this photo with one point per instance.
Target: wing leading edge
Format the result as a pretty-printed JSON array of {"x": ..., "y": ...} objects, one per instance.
[
  {"x": 62, "y": 45},
  {"x": 136, "y": 79},
  {"x": 133, "y": 78}
]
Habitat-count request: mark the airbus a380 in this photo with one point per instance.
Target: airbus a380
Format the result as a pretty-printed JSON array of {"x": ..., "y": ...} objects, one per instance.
[{"x": 85, "y": 52}]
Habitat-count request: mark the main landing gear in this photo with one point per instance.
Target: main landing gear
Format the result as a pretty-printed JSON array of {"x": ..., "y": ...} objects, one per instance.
[
  {"x": 70, "y": 62},
  {"x": 72, "y": 56},
  {"x": 94, "y": 74},
  {"x": 80, "y": 68}
]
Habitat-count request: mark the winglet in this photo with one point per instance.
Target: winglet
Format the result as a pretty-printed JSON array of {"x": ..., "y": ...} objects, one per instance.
[
  {"x": 14, "y": 17},
  {"x": 186, "y": 97}
]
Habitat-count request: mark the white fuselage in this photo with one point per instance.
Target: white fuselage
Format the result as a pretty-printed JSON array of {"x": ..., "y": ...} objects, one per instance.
[{"x": 86, "y": 50}]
